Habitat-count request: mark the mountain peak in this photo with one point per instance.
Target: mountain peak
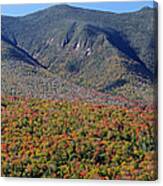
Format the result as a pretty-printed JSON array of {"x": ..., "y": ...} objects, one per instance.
[
  {"x": 62, "y": 6},
  {"x": 146, "y": 8}
]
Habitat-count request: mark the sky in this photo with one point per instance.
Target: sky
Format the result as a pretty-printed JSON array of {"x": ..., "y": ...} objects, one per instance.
[{"x": 118, "y": 7}]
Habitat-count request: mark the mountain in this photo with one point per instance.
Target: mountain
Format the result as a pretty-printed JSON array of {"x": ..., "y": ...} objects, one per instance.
[{"x": 93, "y": 50}]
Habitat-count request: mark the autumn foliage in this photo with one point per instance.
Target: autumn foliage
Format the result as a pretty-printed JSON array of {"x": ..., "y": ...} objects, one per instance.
[{"x": 75, "y": 139}]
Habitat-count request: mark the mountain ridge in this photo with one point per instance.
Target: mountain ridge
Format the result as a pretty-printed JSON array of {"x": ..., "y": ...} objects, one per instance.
[
  {"x": 75, "y": 46},
  {"x": 67, "y": 6}
]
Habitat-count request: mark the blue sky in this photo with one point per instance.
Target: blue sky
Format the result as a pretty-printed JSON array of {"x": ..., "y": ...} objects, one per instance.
[{"x": 119, "y": 7}]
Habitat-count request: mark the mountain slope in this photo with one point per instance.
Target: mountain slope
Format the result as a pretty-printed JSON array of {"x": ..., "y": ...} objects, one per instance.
[{"x": 111, "y": 53}]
